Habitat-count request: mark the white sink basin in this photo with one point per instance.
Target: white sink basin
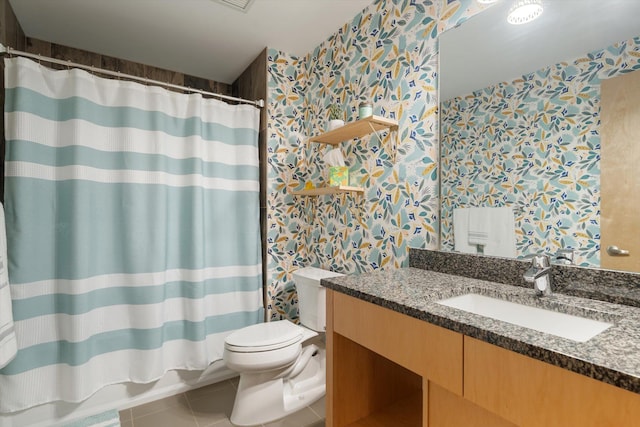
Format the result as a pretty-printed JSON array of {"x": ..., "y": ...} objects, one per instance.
[{"x": 562, "y": 325}]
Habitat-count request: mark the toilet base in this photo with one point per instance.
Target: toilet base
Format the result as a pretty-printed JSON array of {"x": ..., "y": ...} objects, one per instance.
[{"x": 268, "y": 396}]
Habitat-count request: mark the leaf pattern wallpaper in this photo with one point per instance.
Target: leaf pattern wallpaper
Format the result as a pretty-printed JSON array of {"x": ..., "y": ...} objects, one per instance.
[
  {"x": 541, "y": 163},
  {"x": 534, "y": 144},
  {"x": 387, "y": 55}
]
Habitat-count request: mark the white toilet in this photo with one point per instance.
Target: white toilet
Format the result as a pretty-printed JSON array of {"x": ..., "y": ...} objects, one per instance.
[{"x": 278, "y": 375}]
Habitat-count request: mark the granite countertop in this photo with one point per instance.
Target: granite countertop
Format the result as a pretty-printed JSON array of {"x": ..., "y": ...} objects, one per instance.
[{"x": 613, "y": 356}]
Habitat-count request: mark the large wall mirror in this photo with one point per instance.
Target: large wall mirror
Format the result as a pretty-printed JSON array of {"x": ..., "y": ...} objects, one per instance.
[{"x": 522, "y": 112}]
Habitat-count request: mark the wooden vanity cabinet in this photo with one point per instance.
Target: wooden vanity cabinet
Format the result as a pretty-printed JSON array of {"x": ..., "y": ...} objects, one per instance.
[
  {"x": 529, "y": 392},
  {"x": 389, "y": 369},
  {"x": 425, "y": 349},
  {"x": 380, "y": 364}
]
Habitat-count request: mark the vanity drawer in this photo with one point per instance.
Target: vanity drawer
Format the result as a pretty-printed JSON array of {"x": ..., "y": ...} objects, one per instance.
[{"x": 430, "y": 351}]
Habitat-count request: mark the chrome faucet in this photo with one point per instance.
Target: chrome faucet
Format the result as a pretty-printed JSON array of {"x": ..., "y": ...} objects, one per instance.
[
  {"x": 539, "y": 275},
  {"x": 564, "y": 256}
]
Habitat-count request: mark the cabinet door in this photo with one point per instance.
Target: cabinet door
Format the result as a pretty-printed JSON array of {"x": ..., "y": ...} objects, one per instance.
[{"x": 529, "y": 392}]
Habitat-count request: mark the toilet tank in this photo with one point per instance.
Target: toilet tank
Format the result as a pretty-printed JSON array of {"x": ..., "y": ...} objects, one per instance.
[{"x": 312, "y": 296}]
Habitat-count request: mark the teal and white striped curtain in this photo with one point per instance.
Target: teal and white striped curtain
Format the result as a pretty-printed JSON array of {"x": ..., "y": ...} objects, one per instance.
[{"x": 133, "y": 231}]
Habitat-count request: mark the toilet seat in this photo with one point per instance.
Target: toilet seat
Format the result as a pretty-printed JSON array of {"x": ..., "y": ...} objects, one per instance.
[
  {"x": 263, "y": 347},
  {"x": 264, "y": 337}
]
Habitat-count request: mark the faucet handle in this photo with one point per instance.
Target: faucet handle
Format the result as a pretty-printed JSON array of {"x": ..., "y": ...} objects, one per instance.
[
  {"x": 564, "y": 256},
  {"x": 540, "y": 261}
]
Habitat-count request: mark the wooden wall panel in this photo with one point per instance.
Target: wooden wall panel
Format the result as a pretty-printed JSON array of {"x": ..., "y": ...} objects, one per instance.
[
  {"x": 252, "y": 84},
  {"x": 166, "y": 76},
  {"x": 38, "y": 47},
  {"x": 65, "y": 53},
  {"x": 10, "y": 30}
]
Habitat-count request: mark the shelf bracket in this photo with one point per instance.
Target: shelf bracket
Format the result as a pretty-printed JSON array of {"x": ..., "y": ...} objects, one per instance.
[
  {"x": 393, "y": 151},
  {"x": 373, "y": 129}
]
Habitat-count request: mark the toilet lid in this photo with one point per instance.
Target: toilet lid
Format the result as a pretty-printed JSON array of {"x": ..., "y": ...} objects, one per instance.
[{"x": 264, "y": 337}]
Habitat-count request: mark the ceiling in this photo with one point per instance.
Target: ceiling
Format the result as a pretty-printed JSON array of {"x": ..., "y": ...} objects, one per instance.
[
  {"x": 196, "y": 37},
  {"x": 567, "y": 29}
]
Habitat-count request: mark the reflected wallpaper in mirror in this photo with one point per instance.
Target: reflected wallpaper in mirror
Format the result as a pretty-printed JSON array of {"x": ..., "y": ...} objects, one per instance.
[{"x": 533, "y": 143}]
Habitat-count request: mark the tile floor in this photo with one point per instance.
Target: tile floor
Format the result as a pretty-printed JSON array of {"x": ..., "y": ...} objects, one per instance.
[{"x": 208, "y": 406}]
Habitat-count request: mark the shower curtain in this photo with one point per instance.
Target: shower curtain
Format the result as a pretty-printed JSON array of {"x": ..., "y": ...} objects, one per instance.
[{"x": 133, "y": 231}]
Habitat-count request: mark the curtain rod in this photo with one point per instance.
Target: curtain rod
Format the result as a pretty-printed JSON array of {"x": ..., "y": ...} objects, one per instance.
[{"x": 10, "y": 51}]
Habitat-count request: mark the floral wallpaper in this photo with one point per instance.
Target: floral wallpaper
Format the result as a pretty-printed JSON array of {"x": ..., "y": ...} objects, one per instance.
[
  {"x": 386, "y": 55},
  {"x": 286, "y": 218},
  {"x": 534, "y": 144}
]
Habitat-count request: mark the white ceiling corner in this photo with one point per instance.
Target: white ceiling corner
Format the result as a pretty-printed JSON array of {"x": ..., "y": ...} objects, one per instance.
[{"x": 197, "y": 37}]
